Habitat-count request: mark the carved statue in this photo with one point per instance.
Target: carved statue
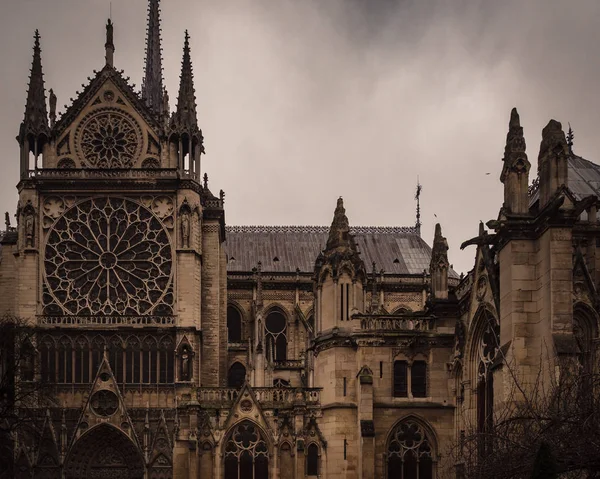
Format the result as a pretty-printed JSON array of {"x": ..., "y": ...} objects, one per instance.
[
  {"x": 185, "y": 229},
  {"x": 185, "y": 365},
  {"x": 29, "y": 228},
  {"x": 7, "y": 220}
]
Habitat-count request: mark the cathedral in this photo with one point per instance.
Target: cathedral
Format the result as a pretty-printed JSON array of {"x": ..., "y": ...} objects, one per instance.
[{"x": 173, "y": 345}]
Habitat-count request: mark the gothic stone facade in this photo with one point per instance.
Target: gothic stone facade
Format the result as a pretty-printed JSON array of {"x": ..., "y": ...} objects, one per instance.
[{"x": 178, "y": 347}]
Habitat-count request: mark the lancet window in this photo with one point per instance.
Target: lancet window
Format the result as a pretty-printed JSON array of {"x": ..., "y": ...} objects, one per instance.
[
  {"x": 234, "y": 325},
  {"x": 409, "y": 452},
  {"x": 276, "y": 336},
  {"x": 131, "y": 361},
  {"x": 246, "y": 453},
  {"x": 487, "y": 352},
  {"x": 410, "y": 379},
  {"x": 236, "y": 375},
  {"x": 312, "y": 460}
]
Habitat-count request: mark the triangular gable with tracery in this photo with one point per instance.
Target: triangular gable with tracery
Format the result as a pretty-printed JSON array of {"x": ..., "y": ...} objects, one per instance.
[
  {"x": 90, "y": 93},
  {"x": 247, "y": 406},
  {"x": 105, "y": 405},
  {"x": 48, "y": 457}
]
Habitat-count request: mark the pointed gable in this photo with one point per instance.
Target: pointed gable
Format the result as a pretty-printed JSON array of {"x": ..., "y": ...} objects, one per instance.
[{"x": 108, "y": 126}]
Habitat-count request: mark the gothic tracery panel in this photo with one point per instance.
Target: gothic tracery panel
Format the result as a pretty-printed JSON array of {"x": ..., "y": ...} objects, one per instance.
[
  {"x": 109, "y": 138},
  {"x": 108, "y": 256}
]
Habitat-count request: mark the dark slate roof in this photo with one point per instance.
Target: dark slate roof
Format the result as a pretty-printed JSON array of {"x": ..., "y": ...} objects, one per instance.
[
  {"x": 583, "y": 178},
  {"x": 396, "y": 250}
]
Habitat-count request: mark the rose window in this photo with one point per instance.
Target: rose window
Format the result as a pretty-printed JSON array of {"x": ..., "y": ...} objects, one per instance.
[
  {"x": 108, "y": 256},
  {"x": 105, "y": 403},
  {"x": 109, "y": 139}
]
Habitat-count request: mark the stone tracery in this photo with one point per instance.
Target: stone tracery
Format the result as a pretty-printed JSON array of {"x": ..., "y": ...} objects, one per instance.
[
  {"x": 108, "y": 256},
  {"x": 109, "y": 139}
]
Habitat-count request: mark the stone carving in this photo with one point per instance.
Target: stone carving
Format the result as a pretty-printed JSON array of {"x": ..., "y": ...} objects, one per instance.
[
  {"x": 186, "y": 372},
  {"x": 108, "y": 256},
  {"x": 185, "y": 223},
  {"x": 109, "y": 139},
  {"x": 29, "y": 225},
  {"x": 104, "y": 403},
  {"x": 151, "y": 163}
]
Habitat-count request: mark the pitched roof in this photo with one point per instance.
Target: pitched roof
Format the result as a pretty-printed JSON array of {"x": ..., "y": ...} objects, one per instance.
[
  {"x": 282, "y": 249},
  {"x": 583, "y": 177}
]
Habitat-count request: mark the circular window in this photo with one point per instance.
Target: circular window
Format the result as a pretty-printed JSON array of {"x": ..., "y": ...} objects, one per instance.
[
  {"x": 275, "y": 323},
  {"x": 105, "y": 403},
  {"x": 109, "y": 139},
  {"x": 108, "y": 256}
]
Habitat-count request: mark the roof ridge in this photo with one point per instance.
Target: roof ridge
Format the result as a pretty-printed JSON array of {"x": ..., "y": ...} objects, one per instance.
[{"x": 318, "y": 229}]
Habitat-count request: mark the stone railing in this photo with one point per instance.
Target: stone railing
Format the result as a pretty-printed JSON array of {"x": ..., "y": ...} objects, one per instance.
[
  {"x": 267, "y": 397},
  {"x": 397, "y": 324},
  {"x": 106, "y": 320},
  {"x": 101, "y": 173}
]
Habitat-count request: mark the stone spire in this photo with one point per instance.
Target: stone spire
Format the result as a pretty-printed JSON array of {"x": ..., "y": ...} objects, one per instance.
[
  {"x": 439, "y": 265},
  {"x": 339, "y": 233},
  {"x": 552, "y": 161},
  {"x": 35, "y": 122},
  {"x": 184, "y": 118},
  {"x": 152, "y": 84},
  {"x": 515, "y": 170}
]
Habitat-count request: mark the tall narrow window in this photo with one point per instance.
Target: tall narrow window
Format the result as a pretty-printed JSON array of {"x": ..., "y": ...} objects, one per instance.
[
  {"x": 166, "y": 360},
  {"x": 82, "y": 361},
  {"x": 276, "y": 336},
  {"x": 347, "y": 305},
  {"x": 97, "y": 352},
  {"x": 345, "y": 386},
  {"x": 27, "y": 361},
  {"x": 400, "y": 379},
  {"x": 234, "y": 325},
  {"x": 48, "y": 361},
  {"x": 312, "y": 460},
  {"x": 132, "y": 361},
  {"x": 418, "y": 379},
  {"x": 116, "y": 359},
  {"x": 149, "y": 362},
  {"x": 65, "y": 361},
  {"x": 380, "y": 369},
  {"x": 341, "y": 302},
  {"x": 236, "y": 375}
]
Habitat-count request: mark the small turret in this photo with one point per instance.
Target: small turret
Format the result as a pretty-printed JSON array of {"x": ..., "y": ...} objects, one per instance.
[
  {"x": 515, "y": 171},
  {"x": 34, "y": 130},
  {"x": 340, "y": 274},
  {"x": 439, "y": 265},
  {"x": 552, "y": 161},
  {"x": 184, "y": 122}
]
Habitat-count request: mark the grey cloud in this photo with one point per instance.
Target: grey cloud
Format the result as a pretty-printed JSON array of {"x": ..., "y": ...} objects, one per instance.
[{"x": 303, "y": 101}]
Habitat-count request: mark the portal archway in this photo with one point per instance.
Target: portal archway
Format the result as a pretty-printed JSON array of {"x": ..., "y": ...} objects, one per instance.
[{"x": 104, "y": 452}]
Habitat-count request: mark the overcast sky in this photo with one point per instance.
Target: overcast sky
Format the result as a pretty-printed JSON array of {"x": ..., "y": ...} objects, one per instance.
[{"x": 302, "y": 101}]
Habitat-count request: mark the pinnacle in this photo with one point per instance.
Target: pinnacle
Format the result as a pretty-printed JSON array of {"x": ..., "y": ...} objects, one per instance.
[
  {"x": 515, "y": 121},
  {"x": 185, "y": 115},
  {"x": 36, "y": 115},
  {"x": 339, "y": 233},
  {"x": 152, "y": 84}
]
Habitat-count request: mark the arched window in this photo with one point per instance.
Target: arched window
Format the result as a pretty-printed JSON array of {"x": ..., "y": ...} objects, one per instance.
[
  {"x": 166, "y": 360},
  {"x": 27, "y": 361},
  {"x": 418, "y": 379},
  {"x": 115, "y": 355},
  {"x": 65, "y": 361},
  {"x": 149, "y": 361},
  {"x": 400, "y": 379},
  {"x": 312, "y": 460},
  {"x": 82, "y": 361},
  {"x": 246, "y": 453},
  {"x": 409, "y": 454},
  {"x": 98, "y": 346},
  {"x": 234, "y": 325},
  {"x": 236, "y": 375},
  {"x": 133, "y": 361},
  {"x": 487, "y": 350},
  {"x": 280, "y": 383},
  {"x": 585, "y": 330},
  {"x": 48, "y": 360},
  {"x": 276, "y": 336}
]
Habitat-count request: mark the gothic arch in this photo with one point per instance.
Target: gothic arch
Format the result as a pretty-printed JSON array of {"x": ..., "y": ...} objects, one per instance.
[
  {"x": 411, "y": 449},
  {"x": 235, "y": 322},
  {"x": 246, "y": 451},
  {"x": 104, "y": 451},
  {"x": 276, "y": 331},
  {"x": 585, "y": 331},
  {"x": 484, "y": 321}
]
